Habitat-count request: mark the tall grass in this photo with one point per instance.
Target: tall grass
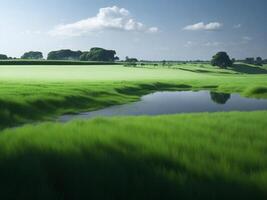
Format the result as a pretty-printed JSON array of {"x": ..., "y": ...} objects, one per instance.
[{"x": 196, "y": 156}]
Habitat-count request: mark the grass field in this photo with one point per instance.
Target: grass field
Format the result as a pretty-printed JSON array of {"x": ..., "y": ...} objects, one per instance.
[
  {"x": 196, "y": 156},
  {"x": 39, "y": 92}
]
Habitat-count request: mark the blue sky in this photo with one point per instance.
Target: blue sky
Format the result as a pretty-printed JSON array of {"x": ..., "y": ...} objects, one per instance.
[{"x": 146, "y": 29}]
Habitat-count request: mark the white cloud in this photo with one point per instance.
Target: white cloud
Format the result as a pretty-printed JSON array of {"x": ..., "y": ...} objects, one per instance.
[
  {"x": 31, "y": 32},
  {"x": 247, "y": 38},
  {"x": 237, "y": 26},
  {"x": 213, "y": 26},
  {"x": 153, "y": 29},
  {"x": 212, "y": 44},
  {"x": 189, "y": 44},
  {"x": 109, "y": 18}
]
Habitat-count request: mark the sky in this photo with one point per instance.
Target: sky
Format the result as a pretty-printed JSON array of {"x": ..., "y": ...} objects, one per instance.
[{"x": 145, "y": 29}]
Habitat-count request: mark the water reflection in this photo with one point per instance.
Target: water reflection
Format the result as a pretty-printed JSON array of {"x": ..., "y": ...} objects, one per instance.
[
  {"x": 160, "y": 103},
  {"x": 220, "y": 98}
]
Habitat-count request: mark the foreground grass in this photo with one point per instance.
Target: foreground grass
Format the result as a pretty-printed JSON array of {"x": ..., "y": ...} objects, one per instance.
[
  {"x": 29, "y": 93},
  {"x": 196, "y": 156}
]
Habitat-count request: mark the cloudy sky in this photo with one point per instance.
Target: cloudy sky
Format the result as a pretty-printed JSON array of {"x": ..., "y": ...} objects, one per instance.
[{"x": 146, "y": 29}]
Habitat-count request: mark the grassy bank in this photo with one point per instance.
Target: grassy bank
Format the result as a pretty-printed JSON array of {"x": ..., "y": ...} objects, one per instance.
[
  {"x": 30, "y": 93},
  {"x": 196, "y": 156}
]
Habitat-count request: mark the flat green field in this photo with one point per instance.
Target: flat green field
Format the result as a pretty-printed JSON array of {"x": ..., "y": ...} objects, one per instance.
[
  {"x": 30, "y": 93},
  {"x": 189, "y": 156}
]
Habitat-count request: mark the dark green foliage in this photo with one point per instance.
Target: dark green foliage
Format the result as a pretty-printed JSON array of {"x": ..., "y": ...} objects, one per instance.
[
  {"x": 250, "y": 61},
  {"x": 222, "y": 60},
  {"x": 99, "y": 54},
  {"x": 259, "y": 61},
  {"x": 130, "y": 64},
  {"x": 65, "y": 54},
  {"x": 131, "y": 60},
  {"x": 233, "y": 60},
  {"x": 220, "y": 98},
  {"x": 32, "y": 55},
  {"x": 3, "y": 57},
  {"x": 248, "y": 69}
]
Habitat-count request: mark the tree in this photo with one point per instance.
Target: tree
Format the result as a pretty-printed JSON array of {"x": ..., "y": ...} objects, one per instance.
[
  {"x": 65, "y": 54},
  {"x": 250, "y": 61},
  {"x": 259, "y": 61},
  {"x": 3, "y": 57},
  {"x": 222, "y": 60},
  {"x": 99, "y": 54},
  {"x": 233, "y": 60},
  {"x": 131, "y": 60},
  {"x": 32, "y": 55}
]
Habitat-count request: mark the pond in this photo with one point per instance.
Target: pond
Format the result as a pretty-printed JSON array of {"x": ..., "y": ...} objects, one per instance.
[{"x": 160, "y": 103}]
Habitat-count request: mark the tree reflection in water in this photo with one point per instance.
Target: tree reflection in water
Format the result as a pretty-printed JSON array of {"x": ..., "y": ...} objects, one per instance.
[{"x": 220, "y": 98}]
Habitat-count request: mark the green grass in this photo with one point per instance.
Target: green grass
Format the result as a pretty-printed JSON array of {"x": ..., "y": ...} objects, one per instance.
[
  {"x": 30, "y": 93},
  {"x": 52, "y": 62},
  {"x": 196, "y": 156}
]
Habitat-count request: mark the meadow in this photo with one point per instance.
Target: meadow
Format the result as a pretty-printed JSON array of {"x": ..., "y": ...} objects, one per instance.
[
  {"x": 33, "y": 93},
  {"x": 196, "y": 156},
  {"x": 192, "y": 156}
]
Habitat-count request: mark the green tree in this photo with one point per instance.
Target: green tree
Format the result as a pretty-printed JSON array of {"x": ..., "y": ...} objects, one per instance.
[
  {"x": 259, "y": 61},
  {"x": 32, "y": 55},
  {"x": 233, "y": 60},
  {"x": 3, "y": 57},
  {"x": 222, "y": 60},
  {"x": 99, "y": 54},
  {"x": 250, "y": 61},
  {"x": 131, "y": 60},
  {"x": 65, "y": 54}
]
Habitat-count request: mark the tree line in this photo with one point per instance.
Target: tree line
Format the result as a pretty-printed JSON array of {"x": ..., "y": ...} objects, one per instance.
[
  {"x": 221, "y": 59},
  {"x": 95, "y": 54}
]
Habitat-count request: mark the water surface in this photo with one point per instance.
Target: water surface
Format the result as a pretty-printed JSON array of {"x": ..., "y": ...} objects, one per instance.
[{"x": 160, "y": 103}]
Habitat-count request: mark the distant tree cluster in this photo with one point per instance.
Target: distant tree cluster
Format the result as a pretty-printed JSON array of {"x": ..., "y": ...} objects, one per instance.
[
  {"x": 99, "y": 54},
  {"x": 3, "y": 57},
  {"x": 222, "y": 60},
  {"x": 253, "y": 61},
  {"x": 95, "y": 54},
  {"x": 65, "y": 54},
  {"x": 131, "y": 60},
  {"x": 32, "y": 55}
]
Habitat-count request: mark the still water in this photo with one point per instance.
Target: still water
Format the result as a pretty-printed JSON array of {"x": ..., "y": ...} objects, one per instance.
[{"x": 160, "y": 103}]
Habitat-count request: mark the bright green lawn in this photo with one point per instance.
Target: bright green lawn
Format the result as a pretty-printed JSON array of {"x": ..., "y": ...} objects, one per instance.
[
  {"x": 34, "y": 92},
  {"x": 196, "y": 156}
]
